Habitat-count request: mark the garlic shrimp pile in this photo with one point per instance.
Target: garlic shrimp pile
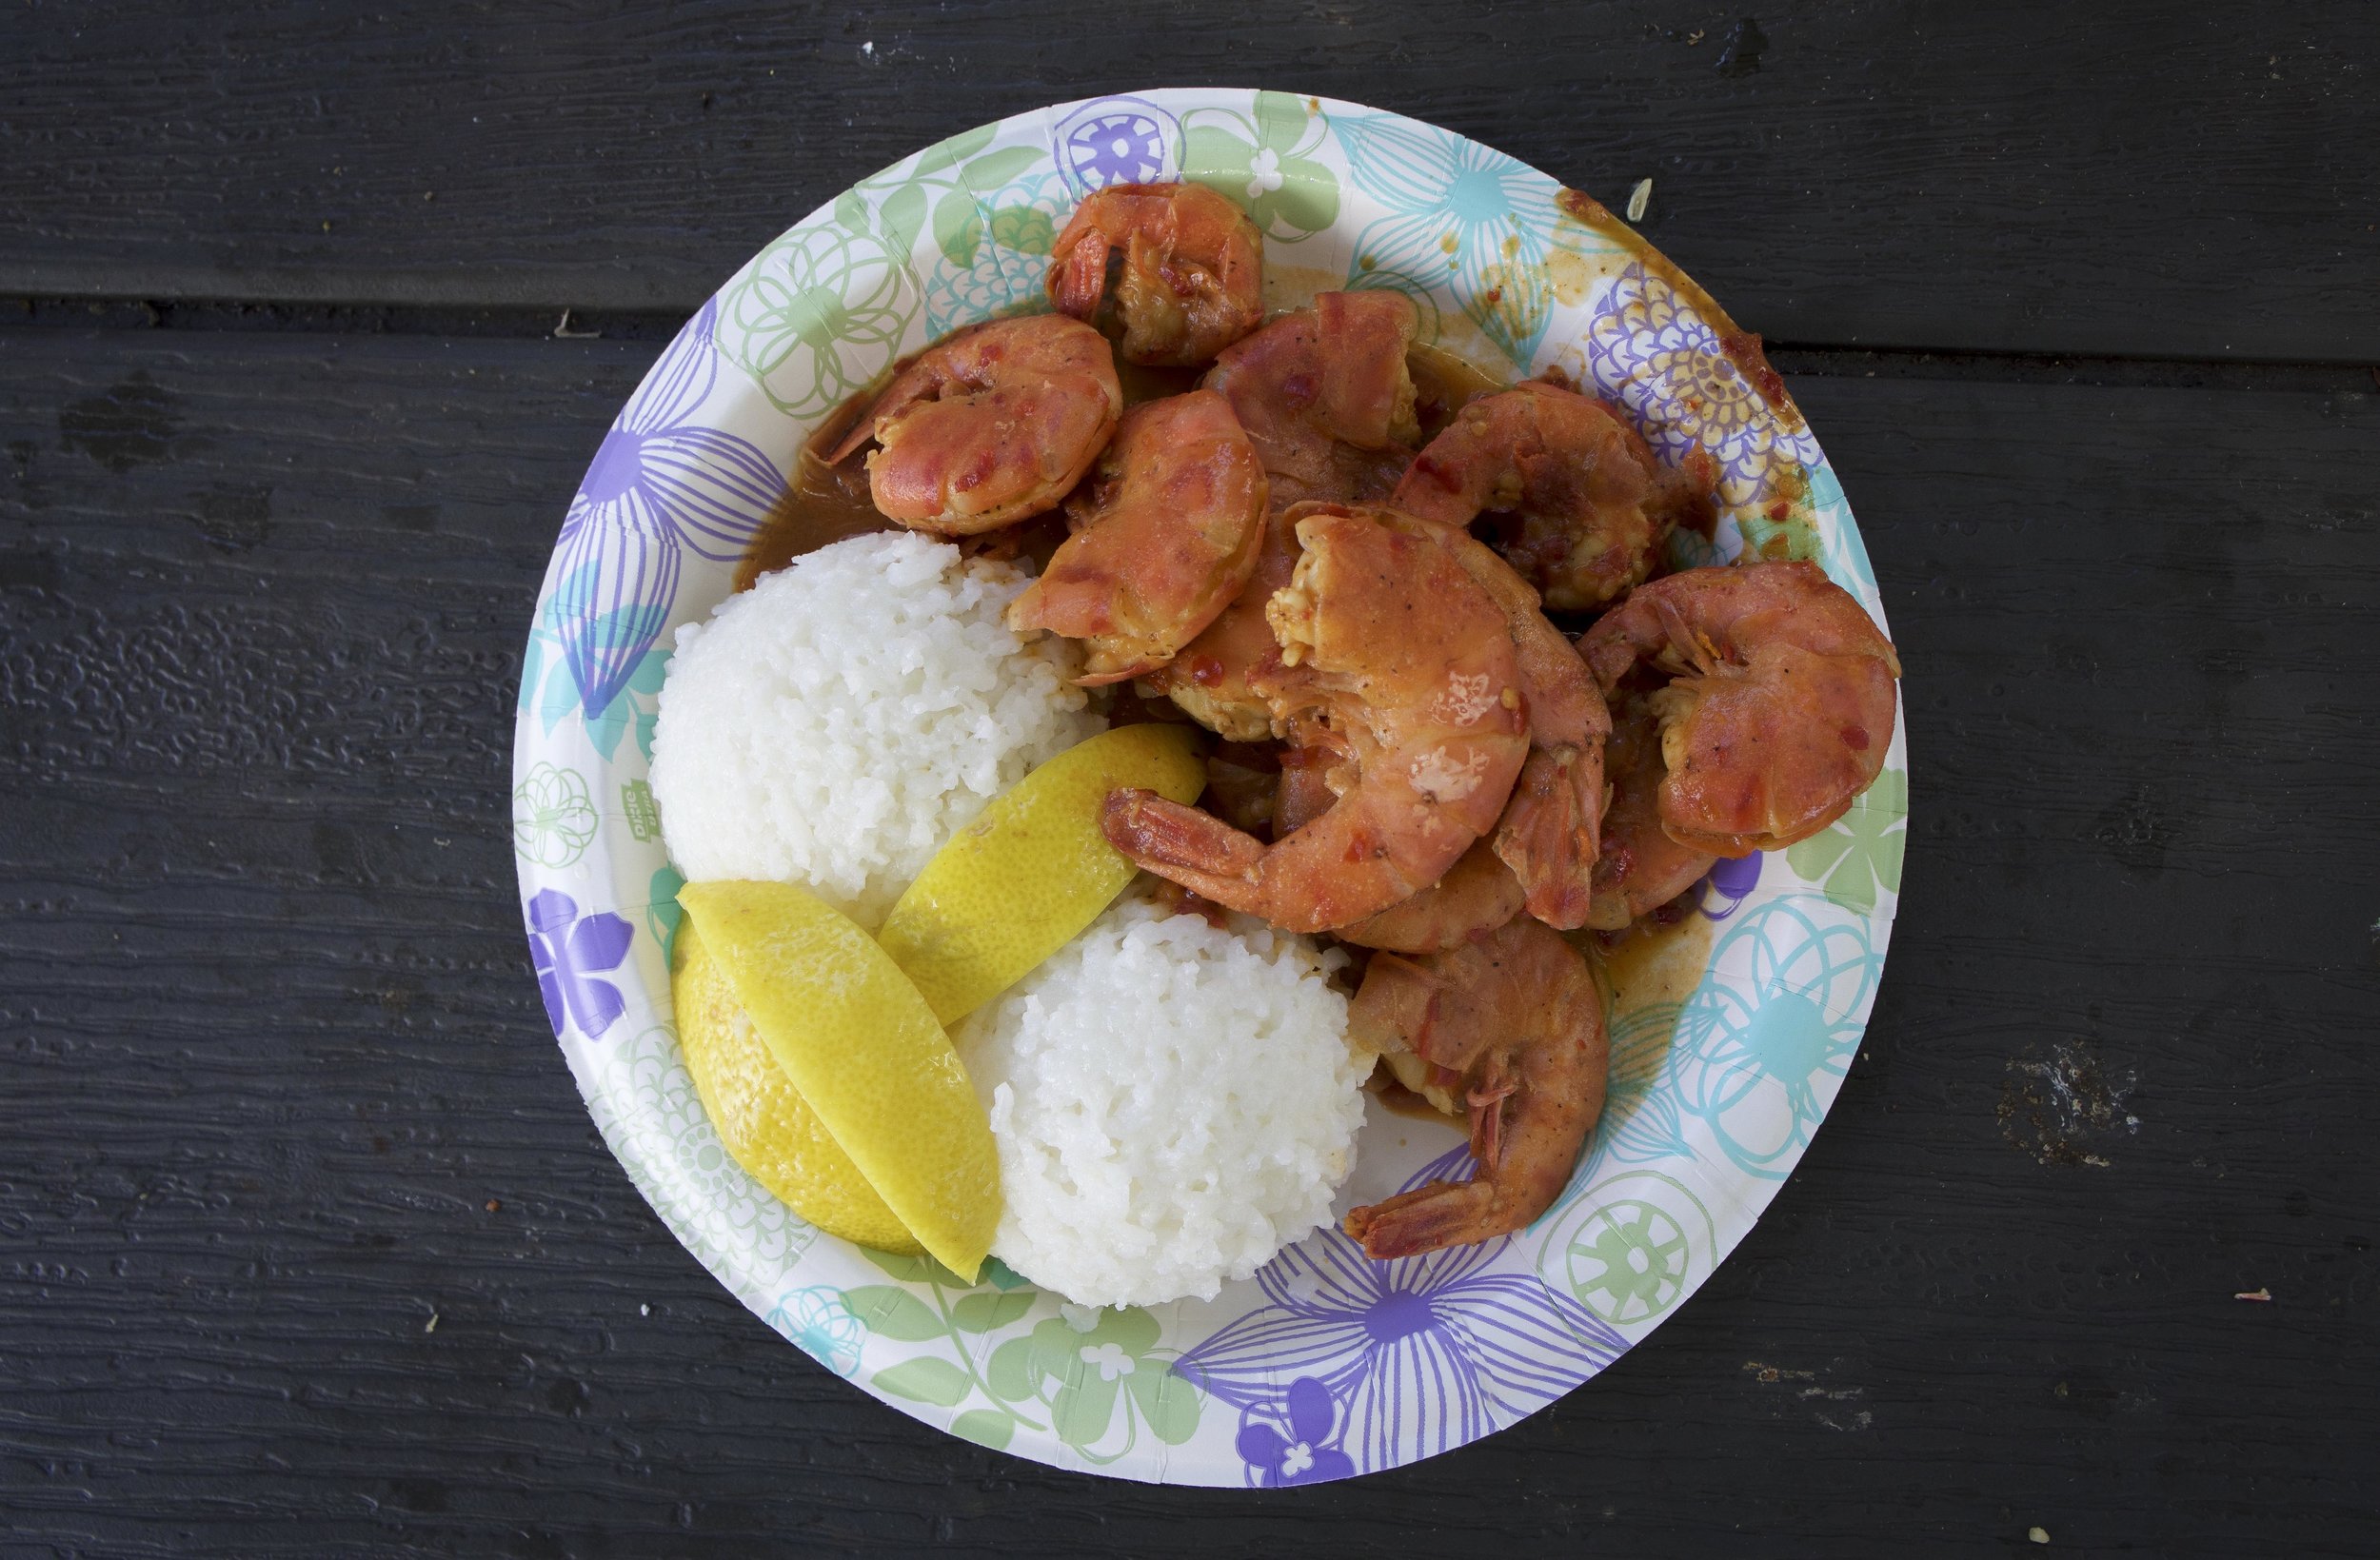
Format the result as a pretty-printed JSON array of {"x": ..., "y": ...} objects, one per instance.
[{"x": 1465, "y": 722}]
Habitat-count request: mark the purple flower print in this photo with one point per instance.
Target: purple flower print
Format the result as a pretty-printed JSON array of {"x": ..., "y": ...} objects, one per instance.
[
  {"x": 1420, "y": 1353},
  {"x": 1116, "y": 140},
  {"x": 1730, "y": 882},
  {"x": 659, "y": 481},
  {"x": 1301, "y": 1453},
  {"x": 569, "y": 950},
  {"x": 1648, "y": 348}
]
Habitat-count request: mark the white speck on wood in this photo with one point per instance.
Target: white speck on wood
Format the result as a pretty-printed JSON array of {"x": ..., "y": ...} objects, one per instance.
[{"x": 1638, "y": 199}]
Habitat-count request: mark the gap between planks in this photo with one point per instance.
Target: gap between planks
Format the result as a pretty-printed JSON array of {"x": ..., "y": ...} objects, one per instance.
[{"x": 1807, "y": 358}]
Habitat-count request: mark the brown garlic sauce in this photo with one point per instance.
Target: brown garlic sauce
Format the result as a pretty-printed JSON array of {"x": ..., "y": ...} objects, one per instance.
[{"x": 825, "y": 504}]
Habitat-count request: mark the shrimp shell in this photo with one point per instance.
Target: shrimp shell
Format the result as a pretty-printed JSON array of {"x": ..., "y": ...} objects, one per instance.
[{"x": 992, "y": 423}]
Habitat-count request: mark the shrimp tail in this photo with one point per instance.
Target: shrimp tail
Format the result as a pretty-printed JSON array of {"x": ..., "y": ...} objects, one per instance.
[
  {"x": 1196, "y": 849},
  {"x": 1549, "y": 833},
  {"x": 1078, "y": 278},
  {"x": 1424, "y": 1220}
]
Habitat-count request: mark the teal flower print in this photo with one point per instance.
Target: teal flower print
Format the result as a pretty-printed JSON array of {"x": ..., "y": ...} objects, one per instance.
[
  {"x": 818, "y": 1324},
  {"x": 1846, "y": 556},
  {"x": 1640, "y": 1121},
  {"x": 549, "y": 683},
  {"x": 1765, "y": 1041},
  {"x": 1460, "y": 216},
  {"x": 993, "y": 262}
]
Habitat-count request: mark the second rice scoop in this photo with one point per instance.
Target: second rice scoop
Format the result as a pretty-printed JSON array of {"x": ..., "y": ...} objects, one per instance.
[{"x": 1172, "y": 1103}]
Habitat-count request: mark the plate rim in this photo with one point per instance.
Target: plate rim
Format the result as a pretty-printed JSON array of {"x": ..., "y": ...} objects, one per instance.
[{"x": 531, "y": 751}]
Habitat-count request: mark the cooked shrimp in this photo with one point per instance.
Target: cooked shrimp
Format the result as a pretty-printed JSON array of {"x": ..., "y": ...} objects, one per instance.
[
  {"x": 1242, "y": 781},
  {"x": 1518, "y": 1016},
  {"x": 1577, "y": 480},
  {"x": 1548, "y": 834},
  {"x": 1325, "y": 395},
  {"x": 989, "y": 424},
  {"x": 1637, "y": 868},
  {"x": 1408, "y": 662},
  {"x": 1164, "y": 535},
  {"x": 1780, "y": 704},
  {"x": 1193, "y": 278},
  {"x": 1304, "y": 791},
  {"x": 1477, "y": 895},
  {"x": 1213, "y": 679}
]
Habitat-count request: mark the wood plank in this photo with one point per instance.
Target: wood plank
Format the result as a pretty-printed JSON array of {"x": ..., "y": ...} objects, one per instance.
[
  {"x": 276, "y": 1091},
  {"x": 2121, "y": 177}
]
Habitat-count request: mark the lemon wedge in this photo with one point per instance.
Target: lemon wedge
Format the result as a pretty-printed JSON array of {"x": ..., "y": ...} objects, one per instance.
[
  {"x": 864, "y": 1051},
  {"x": 1033, "y": 870},
  {"x": 764, "y": 1121}
]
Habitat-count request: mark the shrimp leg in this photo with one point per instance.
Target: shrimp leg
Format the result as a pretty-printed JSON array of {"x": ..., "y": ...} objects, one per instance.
[{"x": 1519, "y": 1017}]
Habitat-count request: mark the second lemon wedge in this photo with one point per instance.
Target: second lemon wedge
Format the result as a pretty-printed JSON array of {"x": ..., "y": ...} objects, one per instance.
[
  {"x": 762, "y": 1121},
  {"x": 859, "y": 1042},
  {"x": 1033, "y": 870}
]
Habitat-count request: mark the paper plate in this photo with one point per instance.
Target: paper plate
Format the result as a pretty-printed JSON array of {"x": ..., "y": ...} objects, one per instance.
[{"x": 1325, "y": 1365}]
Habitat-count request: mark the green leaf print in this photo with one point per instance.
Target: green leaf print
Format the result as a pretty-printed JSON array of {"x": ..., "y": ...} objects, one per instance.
[
  {"x": 1288, "y": 192},
  {"x": 1861, "y": 854},
  {"x": 1281, "y": 121},
  {"x": 989, "y": 171},
  {"x": 985, "y": 1427},
  {"x": 931, "y": 1316},
  {"x": 1086, "y": 1403},
  {"x": 903, "y": 217},
  {"x": 1093, "y": 1357},
  {"x": 926, "y": 1380},
  {"x": 661, "y": 914},
  {"x": 983, "y": 1313},
  {"x": 958, "y": 228},
  {"x": 892, "y": 1312},
  {"x": 1168, "y": 1403},
  {"x": 912, "y": 1270},
  {"x": 1024, "y": 229},
  {"x": 1009, "y": 1376},
  {"x": 956, "y": 150}
]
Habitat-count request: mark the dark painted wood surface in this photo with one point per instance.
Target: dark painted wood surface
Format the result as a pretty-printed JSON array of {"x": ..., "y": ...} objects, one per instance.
[
  {"x": 306, "y": 1245},
  {"x": 2120, "y": 176},
  {"x": 279, "y": 1093}
]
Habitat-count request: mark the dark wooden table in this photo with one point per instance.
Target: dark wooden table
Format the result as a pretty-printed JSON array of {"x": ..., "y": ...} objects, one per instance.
[{"x": 310, "y": 1249}]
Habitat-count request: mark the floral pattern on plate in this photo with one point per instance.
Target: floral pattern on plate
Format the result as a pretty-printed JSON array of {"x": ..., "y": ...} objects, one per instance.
[{"x": 1323, "y": 1365}]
